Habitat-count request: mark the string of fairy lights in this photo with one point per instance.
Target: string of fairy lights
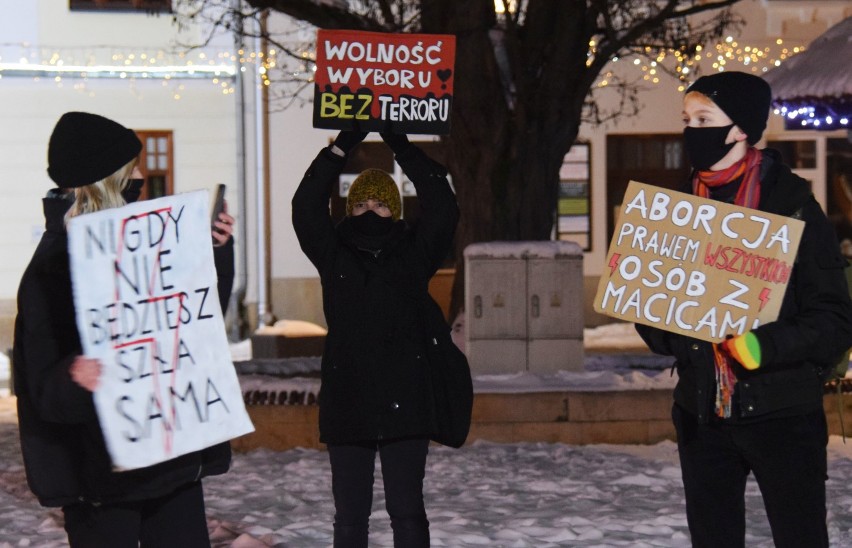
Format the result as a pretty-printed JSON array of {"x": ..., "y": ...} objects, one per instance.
[
  {"x": 730, "y": 54},
  {"x": 105, "y": 62},
  {"x": 726, "y": 55},
  {"x": 81, "y": 65},
  {"x": 171, "y": 68}
]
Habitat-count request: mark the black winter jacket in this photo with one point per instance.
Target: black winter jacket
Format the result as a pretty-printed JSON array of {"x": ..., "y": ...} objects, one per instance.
[
  {"x": 374, "y": 367},
  {"x": 65, "y": 456},
  {"x": 801, "y": 347}
]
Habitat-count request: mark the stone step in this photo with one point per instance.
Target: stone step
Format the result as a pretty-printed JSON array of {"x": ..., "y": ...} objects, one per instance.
[{"x": 576, "y": 418}]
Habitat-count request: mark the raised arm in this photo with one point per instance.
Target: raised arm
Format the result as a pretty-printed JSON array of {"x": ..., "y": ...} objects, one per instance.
[
  {"x": 311, "y": 220},
  {"x": 439, "y": 209}
]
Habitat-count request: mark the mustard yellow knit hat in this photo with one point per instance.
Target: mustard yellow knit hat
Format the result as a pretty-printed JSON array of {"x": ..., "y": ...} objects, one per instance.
[{"x": 378, "y": 185}]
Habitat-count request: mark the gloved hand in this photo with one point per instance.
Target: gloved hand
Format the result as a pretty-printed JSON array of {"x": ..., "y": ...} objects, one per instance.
[
  {"x": 347, "y": 140},
  {"x": 398, "y": 142},
  {"x": 745, "y": 349}
]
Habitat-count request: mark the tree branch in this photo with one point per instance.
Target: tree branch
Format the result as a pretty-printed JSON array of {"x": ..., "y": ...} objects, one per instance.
[
  {"x": 321, "y": 15},
  {"x": 387, "y": 13}
]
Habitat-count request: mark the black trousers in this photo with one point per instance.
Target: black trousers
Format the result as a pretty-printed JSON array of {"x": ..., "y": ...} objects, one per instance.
[
  {"x": 177, "y": 519},
  {"x": 352, "y": 474},
  {"x": 788, "y": 459}
]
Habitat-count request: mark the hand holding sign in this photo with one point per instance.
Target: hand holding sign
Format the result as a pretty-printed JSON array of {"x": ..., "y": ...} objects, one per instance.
[
  {"x": 397, "y": 143},
  {"x": 347, "y": 140},
  {"x": 86, "y": 372}
]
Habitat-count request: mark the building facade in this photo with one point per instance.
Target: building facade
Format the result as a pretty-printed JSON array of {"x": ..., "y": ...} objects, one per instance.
[{"x": 197, "y": 111}]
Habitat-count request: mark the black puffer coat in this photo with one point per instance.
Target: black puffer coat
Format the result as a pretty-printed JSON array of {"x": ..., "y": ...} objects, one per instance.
[
  {"x": 64, "y": 453},
  {"x": 374, "y": 368},
  {"x": 801, "y": 347}
]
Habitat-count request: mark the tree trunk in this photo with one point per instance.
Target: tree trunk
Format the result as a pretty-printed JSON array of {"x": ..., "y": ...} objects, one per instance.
[
  {"x": 476, "y": 146},
  {"x": 504, "y": 150}
]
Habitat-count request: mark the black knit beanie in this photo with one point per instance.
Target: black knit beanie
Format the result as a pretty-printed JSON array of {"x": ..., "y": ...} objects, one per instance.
[
  {"x": 85, "y": 148},
  {"x": 745, "y": 98}
]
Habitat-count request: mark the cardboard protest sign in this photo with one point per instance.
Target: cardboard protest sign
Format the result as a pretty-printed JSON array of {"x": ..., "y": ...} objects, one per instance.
[
  {"x": 147, "y": 304},
  {"x": 695, "y": 266},
  {"x": 373, "y": 81}
]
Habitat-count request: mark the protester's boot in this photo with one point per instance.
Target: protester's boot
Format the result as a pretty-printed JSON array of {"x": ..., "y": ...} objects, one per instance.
[
  {"x": 410, "y": 532},
  {"x": 350, "y": 536}
]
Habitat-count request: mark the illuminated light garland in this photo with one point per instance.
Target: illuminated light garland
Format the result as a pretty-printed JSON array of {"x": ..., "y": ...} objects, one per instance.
[
  {"x": 816, "y": 115},
  {"x": 726, "y": 55},
  {"x": 111, "y": 71},
  {"x": 84, "y": 64},
  {"x": 221, "y": 68},
  {"x": 805, "y": 113}
]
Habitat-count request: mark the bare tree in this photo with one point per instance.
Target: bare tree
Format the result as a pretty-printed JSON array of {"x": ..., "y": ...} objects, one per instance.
[{"x": 525, "y": 79}]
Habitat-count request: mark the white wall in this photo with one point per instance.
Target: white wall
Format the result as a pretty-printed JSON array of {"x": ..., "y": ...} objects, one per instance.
[
  {"x": 295, "y": 143},
  {"x": 203, "y": 119}
]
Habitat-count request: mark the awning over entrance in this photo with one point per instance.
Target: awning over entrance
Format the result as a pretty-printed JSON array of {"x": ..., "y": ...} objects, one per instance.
[{"x": 813, "y": 90}]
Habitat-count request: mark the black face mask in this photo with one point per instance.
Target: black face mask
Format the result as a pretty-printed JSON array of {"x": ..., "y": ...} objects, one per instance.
[
  {"x": 132, "y": 191},
  {"x": 706, "y": 145},
  {"x": 371, "y": 223}
]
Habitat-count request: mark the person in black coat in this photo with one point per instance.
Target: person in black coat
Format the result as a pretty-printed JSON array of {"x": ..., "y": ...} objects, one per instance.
[
  {"x": 375, "y": 269},
  {"x": 92, "y": 160},
  {"x": 753, "y": 403}
]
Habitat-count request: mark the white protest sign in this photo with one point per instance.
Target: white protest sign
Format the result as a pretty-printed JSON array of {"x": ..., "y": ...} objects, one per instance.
[
  {"x": 695, "y": 266},
  {"x": 145, "y": 294}
]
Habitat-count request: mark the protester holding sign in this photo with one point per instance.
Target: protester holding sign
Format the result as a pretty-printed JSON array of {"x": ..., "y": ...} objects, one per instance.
[
  {"x": 92, "y": 160},
  {"x": 753, "y": 403},
  {"x": 375, "y": 270}
]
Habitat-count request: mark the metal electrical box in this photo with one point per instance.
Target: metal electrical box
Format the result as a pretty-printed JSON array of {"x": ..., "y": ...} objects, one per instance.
[{"x": 524, "y": 306}]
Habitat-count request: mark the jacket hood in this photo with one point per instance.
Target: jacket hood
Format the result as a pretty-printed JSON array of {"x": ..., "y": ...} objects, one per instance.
[
  {"x": 782, "y": 191},
  {"x": 55, "y": 206}
]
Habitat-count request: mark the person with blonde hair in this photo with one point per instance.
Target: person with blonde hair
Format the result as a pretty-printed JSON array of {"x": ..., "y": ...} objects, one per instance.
[{"x": 92, "y": 160}]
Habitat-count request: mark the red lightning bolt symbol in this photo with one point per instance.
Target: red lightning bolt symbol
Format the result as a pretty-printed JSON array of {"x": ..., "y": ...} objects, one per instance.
[
  {"x": 764, "y": 297},
  {"x": 613, "y": 262}
]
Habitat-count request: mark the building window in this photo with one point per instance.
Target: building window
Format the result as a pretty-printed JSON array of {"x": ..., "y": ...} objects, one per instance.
[
  {"x": 839, "y": 186},
  {"x": 573, "y": 217},
  {"x": 156, "y": 162},
  {"x": 655, "y": 159},
  {"x": 796, "y": 154},
  {"x": 146, "y": 6}
]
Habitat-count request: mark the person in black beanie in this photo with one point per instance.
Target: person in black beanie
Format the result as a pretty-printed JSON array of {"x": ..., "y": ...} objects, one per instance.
[
  {"x": 753, "y": 403},
  {"x": 92, "y": 160},
  {"x": 375, "y": 269}
]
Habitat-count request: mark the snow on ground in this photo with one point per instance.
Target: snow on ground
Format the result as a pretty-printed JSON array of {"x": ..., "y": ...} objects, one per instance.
[
  {"x": 523, "y": 495},
  {"x": 615, "y": 359},
  {"x": 533, "y": 495}
]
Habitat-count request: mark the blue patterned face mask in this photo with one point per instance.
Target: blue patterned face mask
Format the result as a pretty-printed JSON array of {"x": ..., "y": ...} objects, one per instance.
[{"x": 706, "y": 145}]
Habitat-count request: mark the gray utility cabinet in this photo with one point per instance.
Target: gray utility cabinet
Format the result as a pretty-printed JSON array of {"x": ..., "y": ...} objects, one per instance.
[{"x": 524, "y": 306}]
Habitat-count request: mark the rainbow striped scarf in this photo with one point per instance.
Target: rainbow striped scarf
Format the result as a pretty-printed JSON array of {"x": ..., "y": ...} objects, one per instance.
[{"x": 748, "y": 195}]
